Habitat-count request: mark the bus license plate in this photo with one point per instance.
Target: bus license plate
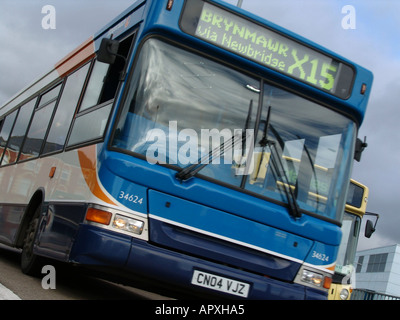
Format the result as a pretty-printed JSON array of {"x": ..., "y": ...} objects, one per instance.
[{"x": 218, "y": 283}]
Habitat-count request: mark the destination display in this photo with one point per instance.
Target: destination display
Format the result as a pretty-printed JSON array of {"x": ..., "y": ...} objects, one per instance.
[{"x": 266, "y": 47}]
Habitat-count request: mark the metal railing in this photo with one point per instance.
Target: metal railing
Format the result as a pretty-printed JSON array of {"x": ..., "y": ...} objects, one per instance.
[{"x": 365, "y": 294}]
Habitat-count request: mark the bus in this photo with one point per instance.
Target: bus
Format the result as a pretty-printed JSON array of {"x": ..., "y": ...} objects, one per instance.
[
  {"x": 188, "y": 144},
  {"x": 355, "y": 210}
]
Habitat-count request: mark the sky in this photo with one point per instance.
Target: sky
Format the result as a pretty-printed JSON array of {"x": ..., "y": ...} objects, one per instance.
[{"x": 368, "y": 35}]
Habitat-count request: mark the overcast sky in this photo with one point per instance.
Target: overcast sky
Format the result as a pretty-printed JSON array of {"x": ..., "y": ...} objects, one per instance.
[{"x": 28, "y": 51}]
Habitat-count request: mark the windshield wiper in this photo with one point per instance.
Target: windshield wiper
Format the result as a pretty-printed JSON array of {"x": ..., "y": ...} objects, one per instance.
[
  {"x": 279, "y": 168},
  {"x": 192, "y": 170}
]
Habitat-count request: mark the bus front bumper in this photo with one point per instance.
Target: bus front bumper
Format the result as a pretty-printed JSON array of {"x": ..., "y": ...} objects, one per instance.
[{"x": 96, "y": 247}]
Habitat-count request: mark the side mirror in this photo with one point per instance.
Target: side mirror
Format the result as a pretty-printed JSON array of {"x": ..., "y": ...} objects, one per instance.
[
  {"x": 108, "y": 51},
  {"x": 369, "y": 229},
  {"x": 360, "y": 146}
]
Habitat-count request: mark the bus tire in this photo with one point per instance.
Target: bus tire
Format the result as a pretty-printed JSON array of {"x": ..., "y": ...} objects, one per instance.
[{"x": 31, "y": 263}]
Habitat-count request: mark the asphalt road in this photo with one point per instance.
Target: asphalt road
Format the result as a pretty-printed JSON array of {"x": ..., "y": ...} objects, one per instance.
[{"x": 71, "y": 284}]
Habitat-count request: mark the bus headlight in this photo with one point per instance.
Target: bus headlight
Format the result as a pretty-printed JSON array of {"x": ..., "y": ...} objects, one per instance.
[
  {"x": 312, "y": 278},
  {"x": 344, "y": 294},
  {"x": 307, "y": 276},
  {"x": 133, "y": 224},
  {"x": 128, "y": 224}
]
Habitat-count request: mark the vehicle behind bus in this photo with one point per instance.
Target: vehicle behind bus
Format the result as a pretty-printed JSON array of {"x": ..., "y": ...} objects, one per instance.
[{"x": 355, "y": 211}]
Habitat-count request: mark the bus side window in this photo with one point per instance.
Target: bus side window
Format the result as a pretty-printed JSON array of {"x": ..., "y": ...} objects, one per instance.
[
  {"x": 66, "y": 110},
  {"x": 1, "y": 140},
  {"x": 37, "y": 131},
  {"x": 39, "y": 124},
  {"x": 105, "y": 78},
  {"x": 90, "y": 126},
  {"x": 19, "y": 130},
  {"x": 117, "y": 69},
  {"x": 91, "y": 121},
  {"x": 7, "y": 125},
  {"x": 95, "y": 86}
]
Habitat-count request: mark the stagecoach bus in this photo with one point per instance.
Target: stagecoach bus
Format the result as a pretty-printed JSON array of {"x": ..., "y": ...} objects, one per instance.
[{"x": 190, "y": 144}]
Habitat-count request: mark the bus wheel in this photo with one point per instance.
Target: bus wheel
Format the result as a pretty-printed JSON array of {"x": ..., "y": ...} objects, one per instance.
[{"x": 31, "y": 263}]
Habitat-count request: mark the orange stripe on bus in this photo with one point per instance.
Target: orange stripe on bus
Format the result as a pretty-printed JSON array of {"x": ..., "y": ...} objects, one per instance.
[
  {"x": 332, "y": 268},
  {"x": 87, "y": 159},
  {"x": 76, "y": 58}
]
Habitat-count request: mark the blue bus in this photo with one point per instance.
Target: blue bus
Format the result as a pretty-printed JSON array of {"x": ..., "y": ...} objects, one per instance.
[{"x": 188, "y": 143}]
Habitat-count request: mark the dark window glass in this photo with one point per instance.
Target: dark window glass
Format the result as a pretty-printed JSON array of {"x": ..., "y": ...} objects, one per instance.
[
  {"x": 95, "y": 85},
  {"x": 66, "y": 110},
  {"x": 90, "y": 126},
  {"x": 355, "y": 195},
  {"x": 37, "y": 131},
  {"x": 49, "y": 96},
  {"x": 377, "y": 262},
  {"x": 5, "y": 133},
  {"x": 359, "y": 264},
  {"x": 19, "y": 131}
]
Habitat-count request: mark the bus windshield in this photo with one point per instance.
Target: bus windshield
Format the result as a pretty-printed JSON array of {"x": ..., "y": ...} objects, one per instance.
[
  {"x": 347, "y": 250},
  {"x": 181, "y": 107}
]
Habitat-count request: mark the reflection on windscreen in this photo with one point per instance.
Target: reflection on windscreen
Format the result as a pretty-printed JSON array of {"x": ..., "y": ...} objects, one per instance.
[{"x": 181, "y": 107}]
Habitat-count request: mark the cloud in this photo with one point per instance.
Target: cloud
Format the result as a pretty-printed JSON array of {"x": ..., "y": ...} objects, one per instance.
[
  {"x": 377, "y": 239},
  {"x": 379, "y": 166},
  {"x": 29, "y": 51}
]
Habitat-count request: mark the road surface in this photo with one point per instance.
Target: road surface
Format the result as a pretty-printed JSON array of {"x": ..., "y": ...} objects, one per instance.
[{"x": 71, "y": 284}]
